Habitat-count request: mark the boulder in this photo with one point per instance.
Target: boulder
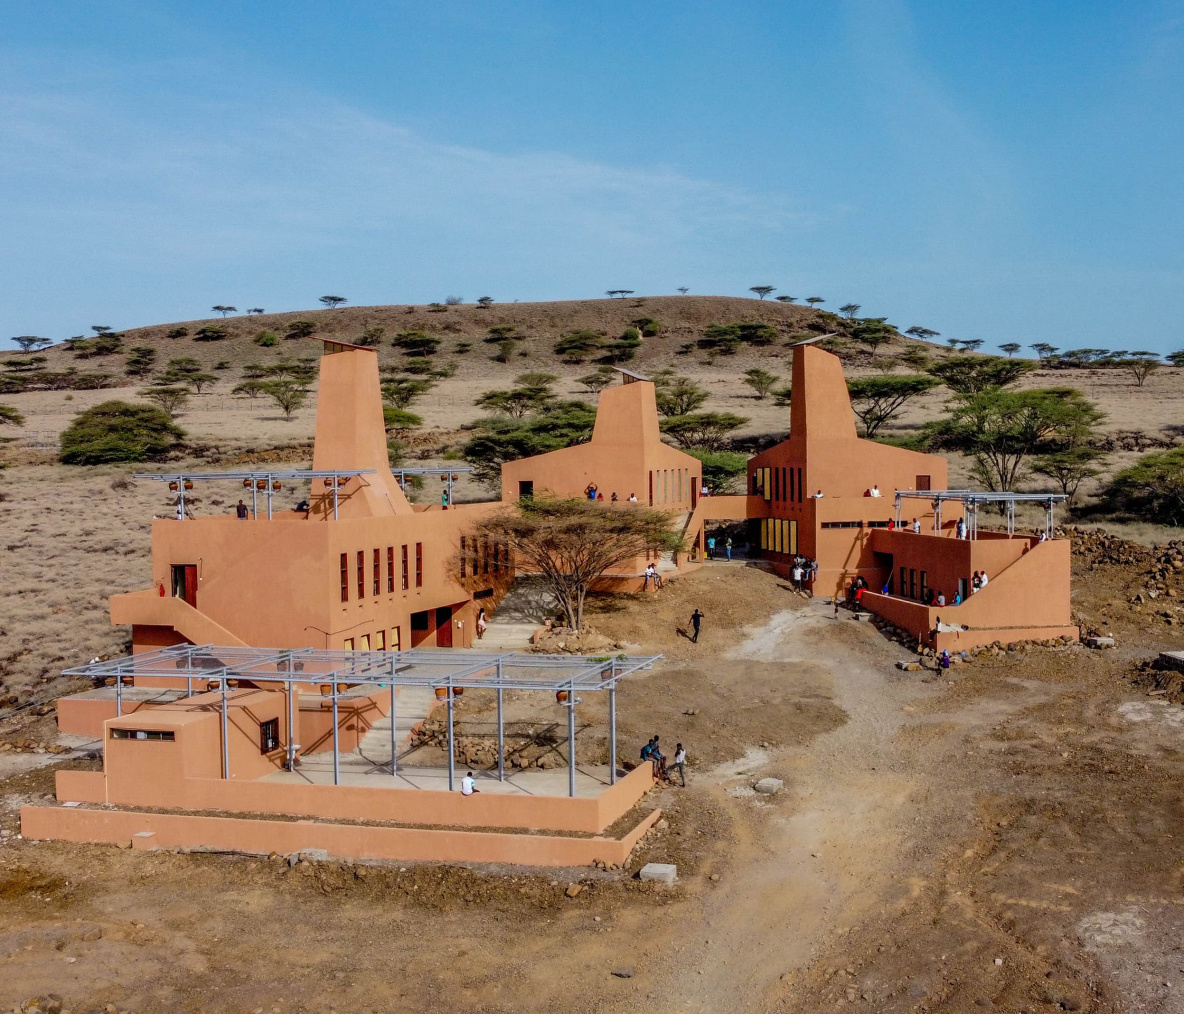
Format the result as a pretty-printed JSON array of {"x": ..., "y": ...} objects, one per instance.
[{"x": 769, "y": 786}]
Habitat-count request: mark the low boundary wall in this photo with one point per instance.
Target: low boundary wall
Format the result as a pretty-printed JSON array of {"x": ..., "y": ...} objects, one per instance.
[
  {"x": 349, "y": 802},
  {"x": 149, "y": 831}
]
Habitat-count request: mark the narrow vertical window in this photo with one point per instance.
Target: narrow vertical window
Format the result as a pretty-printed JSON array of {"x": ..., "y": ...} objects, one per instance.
[
  {"x": 497, "y": 557},
  {"x": 791, "y": 486},
  {"x": 799, "y": 485},
  {"x": 405, "y": 580},
  {"x": 390, "y": 568},
  {"x": 361, "y": 574},
  {"x": 344, "y": 577},
  {"x": 377, "y": 572},
  {"x": 464, "y": 548},
  {"x": 419, "y": 565}
]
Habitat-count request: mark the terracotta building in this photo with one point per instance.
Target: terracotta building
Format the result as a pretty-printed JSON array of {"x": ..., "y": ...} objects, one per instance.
[
  {"x": 814, "y": 495},
  {"x": 360, "y": 569}
]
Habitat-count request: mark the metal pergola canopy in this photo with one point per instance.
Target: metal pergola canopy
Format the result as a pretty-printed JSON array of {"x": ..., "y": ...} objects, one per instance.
[
  {"x": 268, "y": 479},
  {"x": 972, "y": 498},
  {"x": 415, "y": 667},
  {"x": 447, "y": 671}
]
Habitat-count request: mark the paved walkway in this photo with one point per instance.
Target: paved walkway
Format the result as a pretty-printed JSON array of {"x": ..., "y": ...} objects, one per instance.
[{"x": 358, "y": 770}]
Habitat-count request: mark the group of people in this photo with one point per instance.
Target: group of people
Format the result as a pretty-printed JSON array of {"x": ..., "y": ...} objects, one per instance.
[
  {"x": 914, "y": 527},
  {"x": 804, "y": 570},
  {"x": 712, "y": 544},
  {"x": 593, "y": 493},
  {"x": 652, "y": 752},
  {"x": 651, "y": 574}
]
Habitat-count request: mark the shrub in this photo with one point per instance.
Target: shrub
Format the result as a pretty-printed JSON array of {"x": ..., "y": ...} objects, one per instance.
[
  {"x": 118, "y": 431},
  {"x": 419, "y": 367},
  {"x": 267, "y": 339},
  {"x": 141, "y": 361},
  {"x": 500, "y": 438},
  {"x": 371, "y": 336},
  {"x": 211, "y": 333},
  {"x": 575, "y": 346},
  {"x": 299, "y": 329},
  {"x": 1152, "y": 489},
  {"x": 398, "y": 421},
  {"x": 416, "y": 343},
  {"x": 9, "y": 416},
  {"x": 171, "y": 399},
  {"x": 178, "y": 332},
  {"x": 648, "y": 326}
]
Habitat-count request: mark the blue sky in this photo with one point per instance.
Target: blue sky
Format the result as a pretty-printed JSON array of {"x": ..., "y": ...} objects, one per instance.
[{"x": 1005, "y": 171}]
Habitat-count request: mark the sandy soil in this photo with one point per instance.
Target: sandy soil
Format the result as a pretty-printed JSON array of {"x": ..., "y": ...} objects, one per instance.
[{"x": 1007, "y": 838}]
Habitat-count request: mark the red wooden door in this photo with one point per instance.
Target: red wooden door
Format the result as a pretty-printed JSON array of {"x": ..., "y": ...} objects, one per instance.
[{"x": 444, "y": 627}]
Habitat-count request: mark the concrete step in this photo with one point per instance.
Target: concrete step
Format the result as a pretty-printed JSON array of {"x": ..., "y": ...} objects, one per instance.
[
  {"x": 412, "y": 705},
  {"x": 509, "y": 635}
]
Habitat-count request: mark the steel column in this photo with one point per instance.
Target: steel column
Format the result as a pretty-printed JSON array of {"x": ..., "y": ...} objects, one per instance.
[
  {"x": 119, "y": 695},
  {"x": 225, "y": 734},
  {"x": 270, "y": 486},
  {"x": 394, "y": 735},
  {"x": 612, "y": 732},
  {"x": 336, "y": 734},
  {"x": 571, "y": 740},
  {"x": 501, "y": 733},
  {"x": 291, "y": 727},
  {"x": 254, "y": 502},
  {"x": 334, "y": 496},
  {"x": 451, "y": 748}
]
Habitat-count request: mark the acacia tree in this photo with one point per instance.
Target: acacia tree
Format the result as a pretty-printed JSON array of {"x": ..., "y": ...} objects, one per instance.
[
  {"x": 1069, "y": 468},
  {"x": 288, "y": 394},
  {"x": 785, "y": 299},
  {"x": 31, "y": 342},
  {"x": 1001, "y": 429},
  {"x": 170, "y": 398},
  {"x": 9, "y": 416},
  {"x": 972, "y": 344},
  {"x": 683, "y": 289},
  {"x": 677, "y": 395},
  {"x": 1140, "y": 365},
  {"x": 224, "y": 310},
  {"x": 877, "y": 400},
  {"x": 761, "y": 381},
  {"x": 762, "y": 290},
  {"x": 332, "y": 302},
  {"x": 706, "y": 431},
  {"x": 1011, "y": 348},
  {"x": 256, "y": 310},
  {"x": 923, "y": 334},
  {"x": 850, "y": 310},
  {"x": 402, "y": 391},
  {"x": 971, "y": 374},
  {"x": 814, "y": 301},
  {"x": 873, "y": 332},
  {"x": 572, "y": 543}
]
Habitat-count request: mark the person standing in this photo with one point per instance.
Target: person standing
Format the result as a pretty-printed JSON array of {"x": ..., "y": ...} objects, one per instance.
[
  {"x": 961, "y": 529},
  {"x": 916, "y": 526},
  {"x": 680, "y": 762},
  {"x": 240, "y": 511},
  {"x": 696, "y": 620},
  {"x": 728, "y": 547},
  {"x": 482, "y": 623},
  {"x": 711, "y": 547},
  {"x": 797, "y": 576}
]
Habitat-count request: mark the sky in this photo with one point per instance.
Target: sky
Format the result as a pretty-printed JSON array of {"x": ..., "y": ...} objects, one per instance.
[{"x": 1008, "y": 171}]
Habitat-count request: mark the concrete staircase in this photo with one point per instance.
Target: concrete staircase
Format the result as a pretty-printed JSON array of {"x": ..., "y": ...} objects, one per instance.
[
  {"x": 520, "y": 614},
  {"x": 413, "y": 705}
]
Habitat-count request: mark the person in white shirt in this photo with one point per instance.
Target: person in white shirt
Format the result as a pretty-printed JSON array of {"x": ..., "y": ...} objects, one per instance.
[
  {"x": 818, "y": 496},
  {"x": 916, "y": 527},
  {"x": 680, "y": 762},
  {"x": 468, "y": 785},
  {"x": 982, "y": 579},
  {"x": 633, "y": 498},
  {"x": 876, "y": 491}
]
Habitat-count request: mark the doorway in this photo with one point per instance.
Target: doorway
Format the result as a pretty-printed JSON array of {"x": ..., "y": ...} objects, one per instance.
[
  {"x": 526, "y": 489},
  {"x": 185, "y": 582},
  {"x": 444, "y": 627}
]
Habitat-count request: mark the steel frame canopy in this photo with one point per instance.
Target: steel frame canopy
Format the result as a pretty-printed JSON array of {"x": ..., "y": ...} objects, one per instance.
[
  {"x": 267, "y": 478},
  {"x": 971, "y": 499},
  {"x": 450, "y": 671}
]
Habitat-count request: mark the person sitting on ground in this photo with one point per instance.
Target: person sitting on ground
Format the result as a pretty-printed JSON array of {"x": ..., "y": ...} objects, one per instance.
[
  {"x": 468, "y": 785},
  {"x": 876, "y": 490},
  {"x": 613, "y": 498},
  {"x": 941, "y": 598},
  {"x": 633, "y": 498},
  {"x": 817, "y": 496},
  {"x": 957, "y": 599},
  {"x": 680, "y": 762},
  {"x": 891, "y": 524},
  {"x": 304, "y": 506},
  {"x": 867, "y": 492},
  {"x": 241, "y": 511}
]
